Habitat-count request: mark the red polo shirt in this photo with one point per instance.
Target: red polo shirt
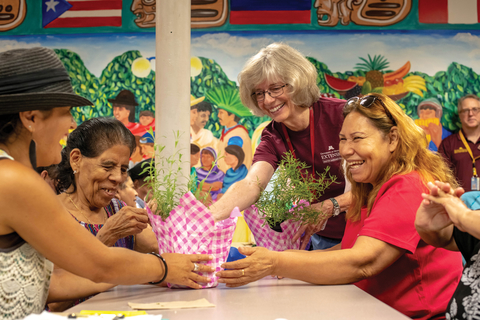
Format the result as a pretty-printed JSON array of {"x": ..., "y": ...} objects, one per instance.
[
  {"x": 328, "y": 119},
  {"x": 454, "y": 151}
]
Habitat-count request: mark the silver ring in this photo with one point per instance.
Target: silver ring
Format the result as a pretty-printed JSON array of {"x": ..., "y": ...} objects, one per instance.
[{"x": 195, "y": 267}]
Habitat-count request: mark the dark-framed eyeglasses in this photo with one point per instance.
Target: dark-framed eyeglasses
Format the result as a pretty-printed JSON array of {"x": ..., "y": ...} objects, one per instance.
[
  {"x": 367, "y": 102},
  {"x": 467, "y": 111},
  {"x": 273, "y": 92}
]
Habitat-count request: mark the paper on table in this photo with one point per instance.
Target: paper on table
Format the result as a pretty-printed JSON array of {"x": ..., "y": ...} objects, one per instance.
[{"x": 201, "y": 303}]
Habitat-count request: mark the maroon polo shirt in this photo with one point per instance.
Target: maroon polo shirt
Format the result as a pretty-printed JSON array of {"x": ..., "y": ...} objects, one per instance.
[
  {"x": 454, "y": 151},
  {"x": 328, "y": 119}
]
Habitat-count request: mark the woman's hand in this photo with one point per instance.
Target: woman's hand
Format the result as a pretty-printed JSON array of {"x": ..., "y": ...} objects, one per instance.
[
  {"x": 126, "y": 222},
  {"x": 180, "y": 269},
  {"x": 326, "y": 208},
  {"x": 259, "y": 263},
  {"x": 442, "y": 205}
]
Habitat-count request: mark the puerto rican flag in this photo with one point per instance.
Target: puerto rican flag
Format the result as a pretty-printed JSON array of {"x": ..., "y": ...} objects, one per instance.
[
  {"x": 449, "y": 11},
  {"x": 81, "y": 13},
  {"x": 270, "y": 12}
]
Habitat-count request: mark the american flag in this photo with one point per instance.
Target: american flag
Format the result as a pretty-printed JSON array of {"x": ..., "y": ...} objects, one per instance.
[
  {"x": 449, "y": 11},
  {"x": 81, "y": 13}
]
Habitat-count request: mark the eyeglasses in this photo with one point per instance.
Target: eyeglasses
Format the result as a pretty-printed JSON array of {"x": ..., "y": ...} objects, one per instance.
[
  {"x": 367, "y": 102},
  {"x": 467, "y": 111},
  {"x": 273, "y": 92}
]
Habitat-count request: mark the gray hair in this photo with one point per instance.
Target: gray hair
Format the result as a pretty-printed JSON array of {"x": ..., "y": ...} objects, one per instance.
[
  {"x": 468, "y": 96},
  {"x": 279, "y": 62}
]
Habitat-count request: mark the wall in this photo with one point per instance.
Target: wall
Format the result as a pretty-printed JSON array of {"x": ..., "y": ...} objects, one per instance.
[{"x": 426, "y": 51}]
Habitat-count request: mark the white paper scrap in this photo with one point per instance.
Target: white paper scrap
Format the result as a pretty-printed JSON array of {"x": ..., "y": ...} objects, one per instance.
[{"x": 201, "y": 303}]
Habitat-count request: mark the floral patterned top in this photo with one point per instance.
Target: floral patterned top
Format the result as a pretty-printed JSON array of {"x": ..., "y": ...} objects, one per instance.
[{"x": 465, "y": 303}]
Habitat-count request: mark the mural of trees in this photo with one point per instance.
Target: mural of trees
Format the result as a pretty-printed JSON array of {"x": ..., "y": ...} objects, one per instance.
[{"x": 447, "y": 86}]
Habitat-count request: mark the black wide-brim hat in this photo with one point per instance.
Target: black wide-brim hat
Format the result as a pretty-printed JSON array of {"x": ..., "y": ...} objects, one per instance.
[{"x": 35, "y": 79}]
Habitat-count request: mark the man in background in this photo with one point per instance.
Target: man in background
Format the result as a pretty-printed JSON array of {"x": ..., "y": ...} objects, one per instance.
[
  {"x": 199, "y": 135},
  {"x": 462, "y": 149}
]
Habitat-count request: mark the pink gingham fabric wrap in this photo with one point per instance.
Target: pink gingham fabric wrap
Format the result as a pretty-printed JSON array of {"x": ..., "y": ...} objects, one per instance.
[
  {"x": 190, "y": 229},
  {"x": 268, "y": 238}
]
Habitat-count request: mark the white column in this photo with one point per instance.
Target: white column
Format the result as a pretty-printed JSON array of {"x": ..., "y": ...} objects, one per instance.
[{"x": 172, "y": 91}]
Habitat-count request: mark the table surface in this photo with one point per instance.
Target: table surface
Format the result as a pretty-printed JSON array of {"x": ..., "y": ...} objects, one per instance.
[{"x": 268, "y": 298}]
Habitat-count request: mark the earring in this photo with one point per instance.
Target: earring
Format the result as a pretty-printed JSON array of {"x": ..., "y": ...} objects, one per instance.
[
  {"x": 74, "y": 171},
  {"x": 32, "y": 153}
]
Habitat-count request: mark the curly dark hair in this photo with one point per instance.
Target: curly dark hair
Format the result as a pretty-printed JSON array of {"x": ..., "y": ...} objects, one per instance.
[{"x": 92, "y": 138}]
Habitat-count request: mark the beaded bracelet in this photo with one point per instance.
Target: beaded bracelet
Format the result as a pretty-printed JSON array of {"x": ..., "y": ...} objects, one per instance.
[{"x": 165, "y": 267}]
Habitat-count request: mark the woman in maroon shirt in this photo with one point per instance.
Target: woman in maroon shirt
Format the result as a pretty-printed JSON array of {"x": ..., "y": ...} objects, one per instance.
[{"x": 281, "y": 83}]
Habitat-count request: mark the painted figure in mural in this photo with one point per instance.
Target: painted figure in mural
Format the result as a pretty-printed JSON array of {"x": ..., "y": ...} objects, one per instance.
[
  {"x": 12, "y": 13},
  {"x": 209, "y": 173},
  {"x": 198, "y": 134},
  {"x": 36, "y": 231},
  {"x": 124, "y": 110},
  {"x": 430, "y": 114},
  {"x": 229, "y": 117},
  {"x": 281, "y": 83},
  {"x": 361, "y": 12},
  {"x": 147, "y": 142},
  {"x": 463, "y": 148},
  {"x": 381, "y": 251},
  {"x": 234, "y": 157},
  {"x": 147, "y": 119},
  {"x": 145, "y": 12},
  {"x": 194, "y": 158}
]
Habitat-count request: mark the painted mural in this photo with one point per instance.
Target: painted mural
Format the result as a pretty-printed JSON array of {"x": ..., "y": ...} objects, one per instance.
[{"x": 424, "y": 54}]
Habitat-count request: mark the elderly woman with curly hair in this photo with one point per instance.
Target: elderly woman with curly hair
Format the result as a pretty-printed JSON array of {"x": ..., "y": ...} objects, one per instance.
[
  {"x": 389, "y": 166},
  {"x": 281, "y": 83}
]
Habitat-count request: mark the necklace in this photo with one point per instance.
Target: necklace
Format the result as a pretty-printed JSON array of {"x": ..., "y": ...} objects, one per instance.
[{"x": 78, "y": 209}]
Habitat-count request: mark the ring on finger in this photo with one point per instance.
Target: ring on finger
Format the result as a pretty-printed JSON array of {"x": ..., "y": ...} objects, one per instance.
[
  {"x": 195, "y": 267},
  {"x": 243, "y": 272}
]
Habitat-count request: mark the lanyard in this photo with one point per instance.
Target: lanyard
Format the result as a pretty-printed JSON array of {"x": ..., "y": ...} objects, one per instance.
[
  {"x": 312, "y": 140},
  {"x": 469, "y": 152}
]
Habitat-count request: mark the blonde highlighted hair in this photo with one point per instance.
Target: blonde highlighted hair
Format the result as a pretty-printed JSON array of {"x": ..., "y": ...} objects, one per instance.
[
  {"x": 410, "y": 155},
  {"x": 279, "y": 62}
]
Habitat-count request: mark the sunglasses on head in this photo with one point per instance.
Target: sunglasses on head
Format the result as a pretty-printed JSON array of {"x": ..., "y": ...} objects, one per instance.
[{"x": 367, "y": 102}]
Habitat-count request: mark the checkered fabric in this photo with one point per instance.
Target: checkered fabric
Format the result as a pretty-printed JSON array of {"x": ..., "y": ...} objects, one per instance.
[
  {"x": 268, "y": 238},
  {"x": 190, "y": 229}
]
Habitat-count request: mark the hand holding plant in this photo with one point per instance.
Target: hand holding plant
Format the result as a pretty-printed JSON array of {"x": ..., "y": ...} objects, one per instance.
[{"x": 292, "y": 192}]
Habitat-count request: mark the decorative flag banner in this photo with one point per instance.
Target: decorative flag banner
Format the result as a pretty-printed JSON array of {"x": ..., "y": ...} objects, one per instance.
[
  {"x": 81, "y": 13},
  {"x": 449, "y": 11},
  {"x": 270, "y": 12}
]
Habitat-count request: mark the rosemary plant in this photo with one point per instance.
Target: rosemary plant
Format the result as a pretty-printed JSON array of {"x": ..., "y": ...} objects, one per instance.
[
  {"x": 290, "y": 190},
  {"x": 165, "y": 179}
]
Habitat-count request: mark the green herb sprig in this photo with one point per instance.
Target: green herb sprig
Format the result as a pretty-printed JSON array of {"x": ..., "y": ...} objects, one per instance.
[
  {"x": 165, "y": 179},
  {"x": 289, "y": 192}
]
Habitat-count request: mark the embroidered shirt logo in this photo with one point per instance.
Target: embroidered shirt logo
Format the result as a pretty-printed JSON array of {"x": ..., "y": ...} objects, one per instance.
[
  {"x": 331, "y": 148},
  {"x": 460, "y": 150}
]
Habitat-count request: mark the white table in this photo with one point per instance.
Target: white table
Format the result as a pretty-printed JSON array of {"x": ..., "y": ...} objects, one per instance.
[{"x": 268, "y": 298}]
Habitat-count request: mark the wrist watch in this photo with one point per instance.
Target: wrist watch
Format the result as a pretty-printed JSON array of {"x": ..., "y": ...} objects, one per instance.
[{"x": 336, "y": 207}]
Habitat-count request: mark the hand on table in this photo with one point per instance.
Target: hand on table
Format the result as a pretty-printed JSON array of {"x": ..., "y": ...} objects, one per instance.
[
  {"x": 260, "y": 262},
  {"x": 126, "y": 222},
  {"x": 326, "y": 207},
  {"x": 181, "y": 266}
]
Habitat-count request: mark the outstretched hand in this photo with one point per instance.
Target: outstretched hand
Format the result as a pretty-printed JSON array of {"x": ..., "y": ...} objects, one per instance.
[
  {"x": 181, "y": 266},
  {"x": 259, "y": 263}
]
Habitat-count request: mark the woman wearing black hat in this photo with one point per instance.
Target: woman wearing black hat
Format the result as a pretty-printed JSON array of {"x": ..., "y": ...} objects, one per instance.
[{"x": 35, "y": 101}]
